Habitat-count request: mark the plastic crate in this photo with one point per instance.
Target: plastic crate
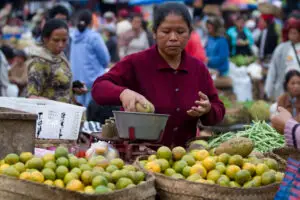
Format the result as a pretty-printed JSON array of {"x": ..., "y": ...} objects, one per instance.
[{"x": 55, "y": 120}]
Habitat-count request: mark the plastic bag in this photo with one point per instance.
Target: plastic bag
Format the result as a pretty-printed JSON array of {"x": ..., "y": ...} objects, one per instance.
[
  {"x": 242, "y": 86},
  {"x": 273, "y": 109},
  {"x": 255, "y": 71},
  {"x": 102, "y": 148}
]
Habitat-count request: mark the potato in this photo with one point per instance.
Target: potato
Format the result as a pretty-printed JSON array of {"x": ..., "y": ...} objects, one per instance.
[{"x": 236, "y": 146}]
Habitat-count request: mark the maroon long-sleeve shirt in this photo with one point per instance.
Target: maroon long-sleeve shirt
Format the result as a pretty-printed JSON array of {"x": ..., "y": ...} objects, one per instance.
[{"x": 171, "y": 91}]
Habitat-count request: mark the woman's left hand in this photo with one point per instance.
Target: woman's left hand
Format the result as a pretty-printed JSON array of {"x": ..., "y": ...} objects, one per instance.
[
  {"x": 80, "y": 91},
  {"x": 203, "y": 107}
]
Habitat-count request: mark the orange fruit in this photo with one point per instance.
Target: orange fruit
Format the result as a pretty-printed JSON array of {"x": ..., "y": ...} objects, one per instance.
[
  {"x": 178, "y": 153},
  {"x": 164, "y": 152},
  {"x": 153, "y": 166},
  {"x": 198, "y": 169},
  {"x": 209, "y": 163},
  {"x": 75, "y": 185},
  {"x": 232, "y": 170}
]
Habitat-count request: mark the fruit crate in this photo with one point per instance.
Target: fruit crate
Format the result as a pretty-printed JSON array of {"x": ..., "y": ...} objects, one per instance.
[
  {"x": 55, "y": 120},
  {"x": 17, "y": 130}
]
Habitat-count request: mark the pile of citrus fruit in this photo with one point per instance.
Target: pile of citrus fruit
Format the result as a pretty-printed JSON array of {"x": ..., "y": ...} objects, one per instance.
[
  {"x": 204, "y": 167},
  {"x": 64, "y": 170}
]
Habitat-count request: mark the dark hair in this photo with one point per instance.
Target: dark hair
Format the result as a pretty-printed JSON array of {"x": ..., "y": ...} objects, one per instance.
[
  {"x": 163, "y": 10},
  {"x": 20, "y": 53},
  {"x": 289, "y": 76},
  {"x": 58, "y": 9},
  {"x": 287, "y": 25},
  {"x": 133, "y": 15},
  {"x": 241, "y": 17},
  {"x": 8, "y": 52},
  {"x": 84, "y": 20},
  {"x": 52, "y": 25},
  {"x": 218, "y": 25}
]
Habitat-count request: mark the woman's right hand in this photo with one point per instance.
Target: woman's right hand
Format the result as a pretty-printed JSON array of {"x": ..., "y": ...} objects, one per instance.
[{"x": 129, "y": 98}]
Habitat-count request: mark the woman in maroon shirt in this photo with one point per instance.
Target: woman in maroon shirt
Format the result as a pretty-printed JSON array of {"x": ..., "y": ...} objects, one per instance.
[{"x": 175, "y": 82}]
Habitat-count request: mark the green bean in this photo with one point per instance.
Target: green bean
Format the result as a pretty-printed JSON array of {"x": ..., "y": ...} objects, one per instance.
[{"x": 265, "y": 138}]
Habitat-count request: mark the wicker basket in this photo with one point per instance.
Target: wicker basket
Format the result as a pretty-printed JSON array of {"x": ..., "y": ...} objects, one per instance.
[
  {"x": 180, "y": 189},
  {"x": 267, "y": 8},
  {"x": 287, "y": 152},
  {"x": 15, "y": 189}
]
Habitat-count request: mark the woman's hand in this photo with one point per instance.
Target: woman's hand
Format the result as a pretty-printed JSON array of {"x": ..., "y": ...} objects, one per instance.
[
  {"x": 80, "y": 91},
  {"x": 241, "y": 42},
  {"x": 203, "y": 107},
  {"x": 129, "y": 98},
  {"x": 279, "y": 120}
]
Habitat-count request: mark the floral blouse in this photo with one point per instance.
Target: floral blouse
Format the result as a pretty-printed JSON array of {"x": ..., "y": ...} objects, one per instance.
[{"x": 49, "y": 76}]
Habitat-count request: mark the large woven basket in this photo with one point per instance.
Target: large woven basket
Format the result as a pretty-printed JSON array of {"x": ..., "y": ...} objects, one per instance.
[
  {"x": 287, "y": 152},
  {"x": 15, "y": 189},
  {"x": 180, "y": 189},
  {"x": 267, "y": 8}
]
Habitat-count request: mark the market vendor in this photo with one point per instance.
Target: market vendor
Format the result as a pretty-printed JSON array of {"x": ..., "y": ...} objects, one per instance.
[{"x": 175, "y": 82}]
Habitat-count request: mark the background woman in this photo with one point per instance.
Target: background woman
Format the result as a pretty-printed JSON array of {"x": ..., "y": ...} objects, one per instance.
[
  {"x": 134, "y": 40},
  {"x": 49, "y": 74},
  {"x": 175, "y": 82},
  {"x": 290, "y": 100},
  {"x": 285, "y": 58},
  {"x": 241, "y": 39},
  {"x": 89, "y": 55},
  {"x": 217, "y": 49}
]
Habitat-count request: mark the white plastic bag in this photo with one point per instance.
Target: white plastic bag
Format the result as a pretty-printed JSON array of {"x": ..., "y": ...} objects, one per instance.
[
  {"x": 255, "y": 71},
  {"x": 242, "y": 86},
  {"x": 273, "y": 109},
  {"x": 102, "y": 148}
]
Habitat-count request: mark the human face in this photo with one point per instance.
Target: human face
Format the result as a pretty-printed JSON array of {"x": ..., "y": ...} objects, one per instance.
[
  {"x": 210, "y": 29},
  {"x": 61, "y": 16},
  {"x": 262, "y": 24},
  {"x": 19, "y": 60},
  {"x": 57, "y": 41},
  {"x": 172, "y": 35},
  {"x": 294, "y": 35},
  {"x": 240, "y": 23},
  {"x": 136, "y": 23},
  {"x": 293, "y": 86}
]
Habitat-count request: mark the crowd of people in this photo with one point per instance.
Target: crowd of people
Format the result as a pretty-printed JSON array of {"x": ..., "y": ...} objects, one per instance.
[{"x": 71, "y": 51}]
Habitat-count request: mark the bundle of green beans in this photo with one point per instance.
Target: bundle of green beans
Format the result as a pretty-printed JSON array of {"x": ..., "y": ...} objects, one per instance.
[{"x": 265, "y": 137}]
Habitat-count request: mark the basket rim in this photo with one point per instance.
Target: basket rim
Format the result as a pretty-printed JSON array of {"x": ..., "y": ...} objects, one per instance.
[{"x": 149, "y": 178}]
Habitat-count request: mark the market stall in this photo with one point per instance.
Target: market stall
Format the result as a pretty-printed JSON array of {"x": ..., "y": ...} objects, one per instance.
[
  {"x": 249, "y": 163},
  {"x": 45, "y": 161}
]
